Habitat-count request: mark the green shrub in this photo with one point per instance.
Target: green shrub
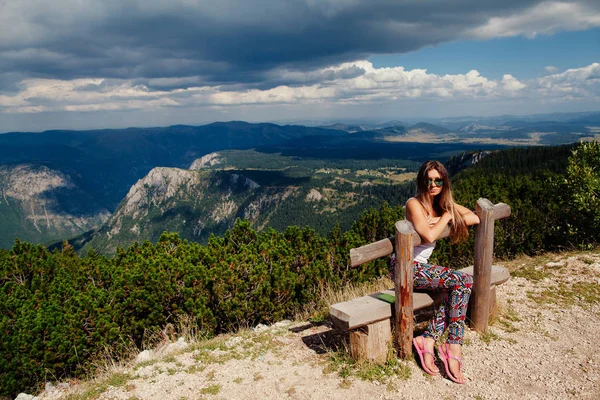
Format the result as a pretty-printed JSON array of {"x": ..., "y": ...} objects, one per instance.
[
  {"x": 60, "y": 311},
  {"x": 582, "y": 195}
]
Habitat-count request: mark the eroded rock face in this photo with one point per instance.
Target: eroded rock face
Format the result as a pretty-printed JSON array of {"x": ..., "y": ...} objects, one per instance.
[
  {"x": 156, "y": 188},
  {"x": 266, "y": 201},
  {"x": 42, "y": 205},
  {"x": 193, "y": 203},
  {"x": 26, "y": 182},
  {"x": 223, "y": 211},
  {"x": 163, "y": 187},
  {"x": 157, "y": 192},
  {"x": 457, "y": 163},
  {"x": 206, "y": 161},
  {"x": 249, "y": 183}
]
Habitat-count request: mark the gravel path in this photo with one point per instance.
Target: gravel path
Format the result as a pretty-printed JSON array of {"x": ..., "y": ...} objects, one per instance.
[{"x": 542, "y": 346}]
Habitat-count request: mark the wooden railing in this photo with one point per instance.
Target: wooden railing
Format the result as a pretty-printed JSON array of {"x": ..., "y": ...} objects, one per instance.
[{"x": 404, "y": 241}]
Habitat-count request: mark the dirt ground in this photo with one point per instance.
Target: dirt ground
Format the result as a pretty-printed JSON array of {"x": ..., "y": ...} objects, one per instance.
[{"x": 542, "y": 346}]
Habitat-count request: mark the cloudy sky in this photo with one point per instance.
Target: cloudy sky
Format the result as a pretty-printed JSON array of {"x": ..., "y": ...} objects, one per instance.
[{"x": 79, "y": 64}]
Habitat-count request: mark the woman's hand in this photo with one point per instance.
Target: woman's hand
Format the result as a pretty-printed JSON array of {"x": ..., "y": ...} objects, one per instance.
[{"x": 428, "y": 229}]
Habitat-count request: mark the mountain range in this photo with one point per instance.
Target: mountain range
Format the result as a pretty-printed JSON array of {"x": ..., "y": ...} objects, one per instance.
[{"x": 109, "y": 187}]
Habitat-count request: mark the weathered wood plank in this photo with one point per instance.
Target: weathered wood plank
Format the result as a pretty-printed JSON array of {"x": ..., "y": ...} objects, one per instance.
[
  {"x": 371, "y": 252},
  {"x": 382, "y": 248},
  {"x": 420, "y": 299},
  {"x": 501, "y": 210},
  {"x": 498, "y": 275},
  {"x": 359, "y": 312},
  {"x": 365, "y": 310},
  {"x": 482, "y": 273}
]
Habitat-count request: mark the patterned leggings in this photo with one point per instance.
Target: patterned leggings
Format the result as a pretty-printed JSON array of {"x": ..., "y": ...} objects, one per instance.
[{"x": 452, "y": 312}]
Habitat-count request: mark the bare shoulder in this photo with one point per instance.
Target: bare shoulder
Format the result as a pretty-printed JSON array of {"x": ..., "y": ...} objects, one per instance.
[
  {"x": 414, "y": 205},
  {"x": 413, "y": 200}
]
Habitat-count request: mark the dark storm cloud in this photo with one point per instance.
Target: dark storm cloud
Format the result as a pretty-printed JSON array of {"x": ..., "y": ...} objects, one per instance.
[{"x": 222, "y": 42}]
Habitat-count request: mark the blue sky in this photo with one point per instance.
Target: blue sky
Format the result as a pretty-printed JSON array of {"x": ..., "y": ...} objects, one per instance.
[
  {"x": 526, "y": 58},
  {"x": 83, "y": 64}
]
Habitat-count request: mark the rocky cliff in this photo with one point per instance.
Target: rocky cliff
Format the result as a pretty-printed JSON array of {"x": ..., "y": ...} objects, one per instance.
[
  {"x": 192, "y": 203},
  {"x": 210, "y": 196},
  {"x": 39, "y": 204}
]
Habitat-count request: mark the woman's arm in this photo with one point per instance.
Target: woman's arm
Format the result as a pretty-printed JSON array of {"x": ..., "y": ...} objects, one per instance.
[
  {"x": 415, "y": 213},
  {"x": 469, "y": 216}
]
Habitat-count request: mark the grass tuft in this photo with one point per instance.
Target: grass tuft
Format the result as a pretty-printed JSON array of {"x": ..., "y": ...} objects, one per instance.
[
  {"x": 319, "y": 311},
  {"x": 212, "y": 389},
  {"x": 341, "y": 363},
  {"x": 532, "y": 273},
  {"x": 488, "y": 336},
  {"x": 93, "y": 390}
]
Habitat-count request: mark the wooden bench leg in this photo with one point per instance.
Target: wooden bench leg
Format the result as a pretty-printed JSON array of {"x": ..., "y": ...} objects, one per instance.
[
  {"x": 493, "y": 309},
  {"x": 371, "y": 342},
  {"x": 493, "y": 303}
]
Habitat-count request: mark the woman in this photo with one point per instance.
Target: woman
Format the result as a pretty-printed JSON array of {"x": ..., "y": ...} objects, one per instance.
[{"x": 430, "y": 211}]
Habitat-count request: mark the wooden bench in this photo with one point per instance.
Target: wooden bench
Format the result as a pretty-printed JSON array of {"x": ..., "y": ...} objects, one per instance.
[{"x": 367, "y": 319}]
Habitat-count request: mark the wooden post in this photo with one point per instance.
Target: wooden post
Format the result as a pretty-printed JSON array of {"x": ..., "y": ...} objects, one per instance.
[
  {"x": 493, "y": 312},
  {"x": 371, "y": 342},
  {"x": 404, "y": 287},
  {"x": 484, "y": 248}
]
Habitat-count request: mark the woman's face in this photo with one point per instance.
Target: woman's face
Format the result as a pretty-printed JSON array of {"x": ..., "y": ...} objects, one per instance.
[{"x": 434, "y": 176}]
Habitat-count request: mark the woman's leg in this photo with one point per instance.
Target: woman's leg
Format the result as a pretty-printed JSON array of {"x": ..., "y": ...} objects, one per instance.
[{"x": 452, "y": 312}]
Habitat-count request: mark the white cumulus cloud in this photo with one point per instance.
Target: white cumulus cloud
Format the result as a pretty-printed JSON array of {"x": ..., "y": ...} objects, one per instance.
[
  {"x": 358, "y": 82},
  {"x": 573, "y": 83}
]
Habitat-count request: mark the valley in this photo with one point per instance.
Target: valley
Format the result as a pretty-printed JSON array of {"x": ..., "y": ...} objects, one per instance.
[{"x": 106, "y": 189}]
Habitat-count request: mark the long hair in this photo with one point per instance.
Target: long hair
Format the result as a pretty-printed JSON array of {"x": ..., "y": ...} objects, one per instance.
[{"x": 441, "y": 202}]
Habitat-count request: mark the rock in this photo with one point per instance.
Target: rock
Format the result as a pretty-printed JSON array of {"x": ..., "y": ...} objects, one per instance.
[
  {"x": 207, "y": 161},
  {"x": 179, "y": 345},
  {"x": 260, "y": 328},
  {"x": 314, "y": 195},
  {"x": 25, "y": 396},
  {"x": 144, "y": 356},
  {"x": 49, "y": 387},
  {"x": 282, "y": 324},
  {"x": 555, "y": 264}
]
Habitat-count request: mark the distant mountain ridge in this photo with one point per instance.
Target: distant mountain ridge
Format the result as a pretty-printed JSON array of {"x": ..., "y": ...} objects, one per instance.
[
  {"x": 107, "y": 162},
  {"x": 426, "y": 127},
  {"x": 101, "y": 166},
  {"x": 526, "y": 131}
]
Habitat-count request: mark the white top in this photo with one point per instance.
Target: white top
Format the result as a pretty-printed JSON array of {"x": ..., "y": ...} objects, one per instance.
[{"x": 423, "y": 251}]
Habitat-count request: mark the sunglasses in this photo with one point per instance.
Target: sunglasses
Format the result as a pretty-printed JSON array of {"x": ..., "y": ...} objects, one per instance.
[{"x": 437, "y": 182}]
